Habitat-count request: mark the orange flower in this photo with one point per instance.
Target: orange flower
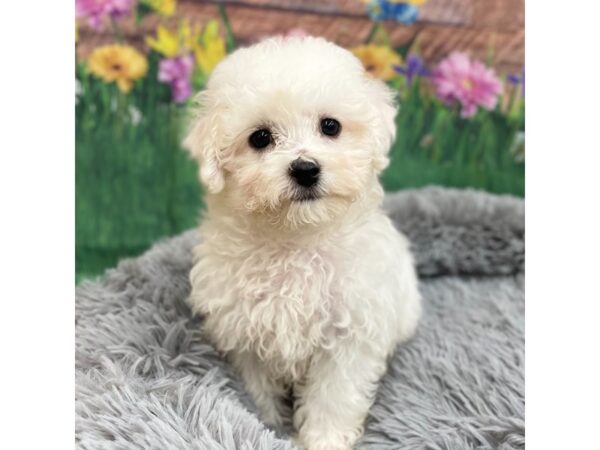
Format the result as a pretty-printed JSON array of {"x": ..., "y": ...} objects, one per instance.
[
  {"x": 118, "y": 63},
  {"x": 379, "y": 60}
]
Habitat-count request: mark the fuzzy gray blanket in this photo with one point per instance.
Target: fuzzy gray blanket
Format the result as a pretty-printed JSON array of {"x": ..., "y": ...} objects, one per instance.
[{"x": 146, "y": 379}]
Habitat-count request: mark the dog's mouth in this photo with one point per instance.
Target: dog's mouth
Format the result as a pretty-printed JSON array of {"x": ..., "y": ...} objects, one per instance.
[{"x": 306, "y": 195}]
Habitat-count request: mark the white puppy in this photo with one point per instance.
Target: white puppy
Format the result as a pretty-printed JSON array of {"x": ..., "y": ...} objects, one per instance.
[{"x": 303, "y": 281}]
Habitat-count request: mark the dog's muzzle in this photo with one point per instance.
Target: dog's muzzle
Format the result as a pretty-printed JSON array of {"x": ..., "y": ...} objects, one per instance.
[{"x": 305, "y": 173}]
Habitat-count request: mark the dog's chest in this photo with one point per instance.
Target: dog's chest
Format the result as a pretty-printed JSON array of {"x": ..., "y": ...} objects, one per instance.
[{"x": 281, "y": 303}]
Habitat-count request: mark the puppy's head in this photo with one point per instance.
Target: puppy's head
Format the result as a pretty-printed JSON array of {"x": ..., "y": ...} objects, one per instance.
[{"x": 292, "y": 129}]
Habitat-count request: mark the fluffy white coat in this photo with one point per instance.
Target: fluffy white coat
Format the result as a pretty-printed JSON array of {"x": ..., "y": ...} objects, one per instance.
[{"x": 307, "y": 295}]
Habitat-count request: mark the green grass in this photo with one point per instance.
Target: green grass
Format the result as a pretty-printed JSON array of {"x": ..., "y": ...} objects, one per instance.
[
  {"x": 135, "y": 185},
  {"x": 413, "y": 173},
  {"x": 435, "y": 146}
]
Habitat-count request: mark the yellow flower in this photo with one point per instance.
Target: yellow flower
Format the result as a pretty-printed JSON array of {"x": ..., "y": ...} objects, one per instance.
[
  {"x": 118, "y": 63},
  {"x": 188, "y": 38},
  {"x": 208, "y": 46},
  {"x": 211, "y": 48},
  {"x": 378, "y": 60},
  {"x": 165, "y": 43},
  {"x": 171, "y": 44},
  {"x": 163, "y": 7}
]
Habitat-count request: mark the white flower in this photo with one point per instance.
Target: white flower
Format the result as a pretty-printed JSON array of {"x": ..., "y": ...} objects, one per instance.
[
  {"x": 78, "y": 90},
  {"x": 517, "y": 149},
  {"x": 135, "y": 115}
]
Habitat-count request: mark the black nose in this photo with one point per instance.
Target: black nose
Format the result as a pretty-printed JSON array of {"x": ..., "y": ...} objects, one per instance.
[{"x": 306, "y": 173}]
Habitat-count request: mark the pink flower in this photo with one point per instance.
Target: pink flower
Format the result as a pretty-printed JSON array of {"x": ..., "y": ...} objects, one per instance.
[
  {"x": 177, "y": 72},
  {"x": 458, "y": 78},
  {"x": 96, "y": 10},
  {"x": 296, "y": 32}
]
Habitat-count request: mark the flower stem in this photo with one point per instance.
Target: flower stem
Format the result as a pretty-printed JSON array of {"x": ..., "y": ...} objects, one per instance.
[
  {"x": 116, "y": 30},
  {"x": 378, "y": 35},
  {"x": 372, "y": 33},
  {"x": 229, "y": 36}
]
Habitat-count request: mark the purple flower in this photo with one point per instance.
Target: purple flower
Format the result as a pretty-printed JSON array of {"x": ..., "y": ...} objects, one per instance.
[
  {"x": 177, "y": 72},
  {"x": 413, "y": 68},
  {"x": 468, "y": 82},
  {"x": 517, "y": 80},
  {"x": 96, "y": 10}
]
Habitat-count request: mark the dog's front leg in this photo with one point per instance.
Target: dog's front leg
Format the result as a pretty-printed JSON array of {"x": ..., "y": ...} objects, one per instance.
[
  {"x": 336, "y": 396},
  {"x": 268, "y": 394}
]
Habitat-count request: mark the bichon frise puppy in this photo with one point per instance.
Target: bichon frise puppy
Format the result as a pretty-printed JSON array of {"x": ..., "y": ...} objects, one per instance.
[{"x": 304, "y": 283}]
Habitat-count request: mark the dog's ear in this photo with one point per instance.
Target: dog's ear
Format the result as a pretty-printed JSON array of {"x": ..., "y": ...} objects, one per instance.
[
  {"x": 203, "y": 141},
  {"x": 383, "y": 100}
]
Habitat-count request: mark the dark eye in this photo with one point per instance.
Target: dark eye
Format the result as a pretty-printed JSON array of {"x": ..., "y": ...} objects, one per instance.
[
  {"x": 330, "y": 127},
  {"x": 260, "y": 138}
]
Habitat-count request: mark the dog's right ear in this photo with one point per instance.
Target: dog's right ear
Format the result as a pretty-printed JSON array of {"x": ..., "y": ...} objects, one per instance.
[{"x": 203, "y": 141}]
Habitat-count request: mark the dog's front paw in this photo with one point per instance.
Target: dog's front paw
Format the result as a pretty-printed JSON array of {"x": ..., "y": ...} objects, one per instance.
[
  {"x": 326, "y": 441},
  {"x": 273, "y": 418}
]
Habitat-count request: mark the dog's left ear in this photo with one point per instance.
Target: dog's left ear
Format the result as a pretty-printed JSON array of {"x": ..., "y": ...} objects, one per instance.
[
  {"x": 203, "y": 141},
  {"x": 383, "y": 100}
]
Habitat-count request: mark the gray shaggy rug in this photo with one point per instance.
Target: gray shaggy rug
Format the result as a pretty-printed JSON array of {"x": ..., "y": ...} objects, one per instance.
[{"x": 146, "y": 379}]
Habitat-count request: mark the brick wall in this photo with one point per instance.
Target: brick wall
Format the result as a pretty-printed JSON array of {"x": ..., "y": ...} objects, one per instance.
[{"x": 484, "y": 28}]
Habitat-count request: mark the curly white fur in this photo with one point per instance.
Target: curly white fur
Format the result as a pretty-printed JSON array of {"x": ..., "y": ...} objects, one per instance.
[{"x": 309, "y": 295}]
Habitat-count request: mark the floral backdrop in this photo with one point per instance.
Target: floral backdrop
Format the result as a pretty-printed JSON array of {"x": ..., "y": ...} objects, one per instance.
[{"x": 461, "y": 122}]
